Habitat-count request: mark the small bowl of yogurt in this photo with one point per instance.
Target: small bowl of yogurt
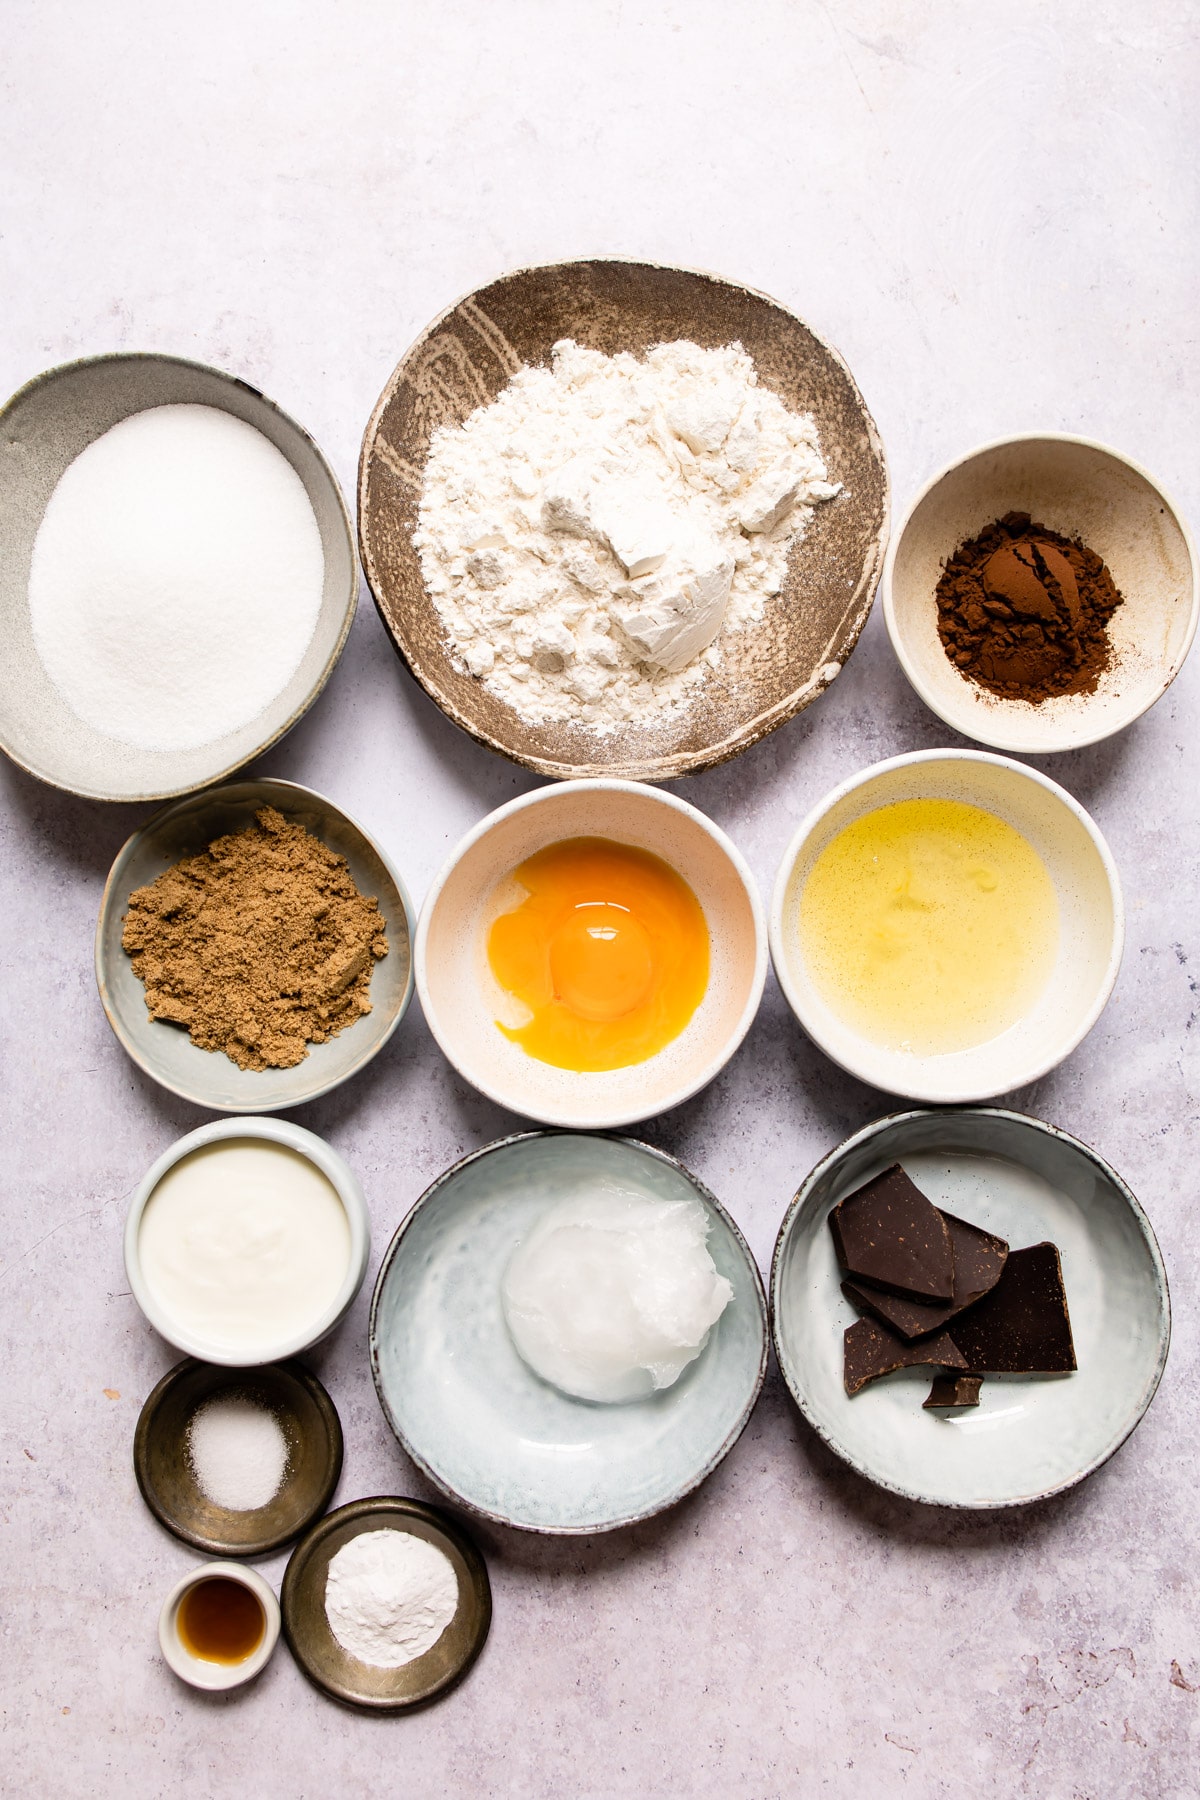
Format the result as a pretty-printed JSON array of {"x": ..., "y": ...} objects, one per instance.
[{"x": 247, "y": 1241}]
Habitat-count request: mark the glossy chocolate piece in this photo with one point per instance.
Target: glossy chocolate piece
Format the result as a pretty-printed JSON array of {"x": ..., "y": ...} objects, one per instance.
[
  {"x": 978, "y": 1260},
  {"x": 1022, "y": 1327},
  {"x": 954, "y": 1390},
  {"x": 888, "y": 1234},
  {"x": 871, "y": 1350}
]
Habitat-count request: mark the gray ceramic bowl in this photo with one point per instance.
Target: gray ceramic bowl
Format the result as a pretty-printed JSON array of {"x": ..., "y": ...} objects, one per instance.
[
  {"x": 43, "y": 428},
  {"x": 167, "y": 1481},
  {"x": 1031, "y": 1436},
  {"x": 768, "y": 673},
  {"x": 334, "y": 1670},
  {"x": 165, "y": 1051},
  {"x": 475, "y": 1418}
]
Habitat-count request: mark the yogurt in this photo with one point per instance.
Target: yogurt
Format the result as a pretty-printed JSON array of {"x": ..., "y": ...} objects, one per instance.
[{"x": 244, "y": 1245}]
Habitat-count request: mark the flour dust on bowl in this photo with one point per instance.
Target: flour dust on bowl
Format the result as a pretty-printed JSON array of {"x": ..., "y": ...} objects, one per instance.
[
  {"x": 1029, "y": 1436},
  {"x": 386, "y": 1604},
  {"x": 1082, "y": 491},
  {"x": 468, "y": 1408},
  {"x": 178, "y": 575},
  {"x": 166, "y": 1050},
  {"x": 650, "y": 961},
  {"x": 679, "y": 481},
  {"x": 947, "y": 925},
  {"x": 247, "y": 1241}
]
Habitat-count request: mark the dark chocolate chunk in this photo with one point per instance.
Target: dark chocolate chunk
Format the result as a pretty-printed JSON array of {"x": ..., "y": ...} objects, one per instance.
[
  {"x": 889, "y": 1234},
  {"x": 1022, "y": 1327},
  {"x": 954, "y": 1390},
  {"x": 872, "y": 1350},
  {"x": 978, "y": 1259}
]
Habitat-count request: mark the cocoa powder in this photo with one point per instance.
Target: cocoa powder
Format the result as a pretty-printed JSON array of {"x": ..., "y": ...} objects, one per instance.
[
  {"x": 1025, "y": 612},
  {"x": 260, "y": 945}
]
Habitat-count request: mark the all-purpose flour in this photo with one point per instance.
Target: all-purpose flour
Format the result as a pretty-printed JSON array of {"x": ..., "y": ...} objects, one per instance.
[
  {"x": 588, "y": 536},
  {"x": 176, "y": 578}
]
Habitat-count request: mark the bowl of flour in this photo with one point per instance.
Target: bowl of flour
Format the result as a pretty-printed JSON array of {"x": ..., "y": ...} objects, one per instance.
[
  {"x": 621, "y": 519},
  {"x": 178, "y": 577}
]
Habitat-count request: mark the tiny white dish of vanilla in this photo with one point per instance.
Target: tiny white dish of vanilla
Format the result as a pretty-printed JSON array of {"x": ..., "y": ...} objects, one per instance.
[{"x": 247, "y": 1241}]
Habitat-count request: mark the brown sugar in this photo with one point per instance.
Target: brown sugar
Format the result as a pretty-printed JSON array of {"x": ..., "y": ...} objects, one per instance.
[
  {"x": 1025, "y": 612},
  {"x": 260, "y": 945}
]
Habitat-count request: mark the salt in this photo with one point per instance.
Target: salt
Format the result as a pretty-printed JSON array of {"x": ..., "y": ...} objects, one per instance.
[
  {"x": 238, "y": 1453},
  {"x": 176, "y": 578}
]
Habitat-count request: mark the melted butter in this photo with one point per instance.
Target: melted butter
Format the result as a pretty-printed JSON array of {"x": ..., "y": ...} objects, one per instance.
[{"x": 929, "y": 926}]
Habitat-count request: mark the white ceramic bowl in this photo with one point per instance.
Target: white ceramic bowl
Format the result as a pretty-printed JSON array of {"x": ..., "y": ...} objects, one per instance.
[
  {"x": 198, "y": 1671},
  {"x": 1080, "y": 489},
  {"x": 1031, "y": 1435},
  {"x": 460, "y": 996},
  {"x": 1091, "y": 924},
  {"x": 475, "y": 1418},
  {"x": 344, "y": 1182}
]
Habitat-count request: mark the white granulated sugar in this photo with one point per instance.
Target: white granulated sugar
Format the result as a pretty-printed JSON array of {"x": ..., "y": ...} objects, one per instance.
[
  {"x": 389, "y": 1595},
  {"x": 238, "y": 1453},
  {"x": 176, "y": 578},
  {"x": 589, "y": 536}
]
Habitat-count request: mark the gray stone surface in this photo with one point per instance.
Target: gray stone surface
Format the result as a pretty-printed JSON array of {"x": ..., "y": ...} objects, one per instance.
[{"x": 991, "y": 211}]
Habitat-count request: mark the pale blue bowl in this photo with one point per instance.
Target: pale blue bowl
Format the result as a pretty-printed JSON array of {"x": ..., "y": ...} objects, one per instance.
[{"x": 479, "y": 1423}]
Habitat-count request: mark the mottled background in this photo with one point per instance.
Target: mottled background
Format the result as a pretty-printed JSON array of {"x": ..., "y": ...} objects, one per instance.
[{"x": 991, "y": 211}]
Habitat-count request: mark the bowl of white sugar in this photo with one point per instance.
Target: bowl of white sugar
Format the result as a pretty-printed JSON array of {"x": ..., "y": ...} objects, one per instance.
[
  {"x": 621, "y": 519},
  {"x": 247, "y": 1242},
  {"x": 178, "y": 577}
]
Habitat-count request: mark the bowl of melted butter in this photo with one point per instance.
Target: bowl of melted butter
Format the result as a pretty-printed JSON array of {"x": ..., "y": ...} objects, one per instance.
[
  {"x": 592, "y": 954},
  {"x": 947, "y": 925}
]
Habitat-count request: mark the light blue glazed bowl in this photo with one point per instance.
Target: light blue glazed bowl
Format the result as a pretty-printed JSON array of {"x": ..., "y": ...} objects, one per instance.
[
  {"x": 1031, "y": 1436},
  {"x": 480, "y": 1424}
]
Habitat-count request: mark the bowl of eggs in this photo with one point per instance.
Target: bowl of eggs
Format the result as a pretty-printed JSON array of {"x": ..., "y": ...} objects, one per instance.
[
  {"x": 947, "y": 925},
  {"x": 592, "y": 954}
]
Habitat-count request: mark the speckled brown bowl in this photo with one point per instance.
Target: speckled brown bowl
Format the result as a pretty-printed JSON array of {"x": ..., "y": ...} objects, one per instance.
[
  {"x": 309, "y": 1422},
  {"x": 768, "y": 672}
]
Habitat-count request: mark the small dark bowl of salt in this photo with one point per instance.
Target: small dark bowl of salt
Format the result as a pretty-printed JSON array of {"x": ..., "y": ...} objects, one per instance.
[{"x": 237, "y": 1462}]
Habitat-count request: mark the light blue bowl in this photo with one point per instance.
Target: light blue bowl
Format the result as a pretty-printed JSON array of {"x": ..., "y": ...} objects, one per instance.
[
  {"x": 483, "y": 1427},
  {"x": 1031, "y": 1436}
]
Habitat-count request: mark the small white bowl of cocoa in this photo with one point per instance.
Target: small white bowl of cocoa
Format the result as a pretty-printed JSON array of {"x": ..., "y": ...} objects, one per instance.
[{"x": 1041, "y": 593}]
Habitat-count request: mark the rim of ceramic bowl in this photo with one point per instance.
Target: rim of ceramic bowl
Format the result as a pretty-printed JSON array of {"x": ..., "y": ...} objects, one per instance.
[
  {"x": 331, "y": 662},
  {"x": 967, "y": 723},
  {"x": 109, "y": 898},
  {"x": 444, "y": 1487},
  {"x": 336, "y": 1171},
  {"x": 927, "y": 1092},
  {"x": 673, "y": 765},
  {"x": 548, "y": 796},
  {"x": 197, "y": 1671},
  {"x": 843, "y": 1150}
]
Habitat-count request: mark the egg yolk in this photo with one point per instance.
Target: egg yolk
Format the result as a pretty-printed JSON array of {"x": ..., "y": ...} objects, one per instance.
[{"x": 608, "y": 951}]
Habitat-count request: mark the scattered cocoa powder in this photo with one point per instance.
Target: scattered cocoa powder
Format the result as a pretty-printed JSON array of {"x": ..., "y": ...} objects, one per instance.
[
  {"x": 1024, "y": 612},
  {"x": 261, "y": 945}
]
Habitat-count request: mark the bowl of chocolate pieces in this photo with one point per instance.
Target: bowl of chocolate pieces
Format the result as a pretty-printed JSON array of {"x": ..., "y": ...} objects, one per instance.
[
  {"x": 969, "y": 1307},
  {"x": 1041, "y": 593}
]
